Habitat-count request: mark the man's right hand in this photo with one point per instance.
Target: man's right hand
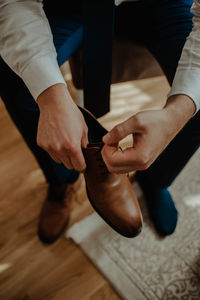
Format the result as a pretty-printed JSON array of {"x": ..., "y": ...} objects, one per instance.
[{"x": 62, "y": 130}]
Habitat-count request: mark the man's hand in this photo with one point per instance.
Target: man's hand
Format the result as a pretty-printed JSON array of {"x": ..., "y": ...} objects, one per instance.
[
  {"x": 152, "y": 131},
  {"x": 62, "y": 130}
]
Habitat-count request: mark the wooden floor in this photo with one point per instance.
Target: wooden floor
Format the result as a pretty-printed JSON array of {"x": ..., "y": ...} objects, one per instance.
[{"x": 29, "y": 269}]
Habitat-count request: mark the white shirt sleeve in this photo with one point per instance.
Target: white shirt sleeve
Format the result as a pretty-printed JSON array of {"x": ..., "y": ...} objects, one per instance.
[
  {"x": 26, "y": 44},
  {"x": 187, "y": 77}
]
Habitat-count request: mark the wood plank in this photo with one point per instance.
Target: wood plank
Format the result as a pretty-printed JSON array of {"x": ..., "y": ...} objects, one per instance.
[{"x": 28, "y": 269}]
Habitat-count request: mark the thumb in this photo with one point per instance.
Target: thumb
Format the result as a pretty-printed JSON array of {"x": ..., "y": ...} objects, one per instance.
[{"x": 119, "y": 132}]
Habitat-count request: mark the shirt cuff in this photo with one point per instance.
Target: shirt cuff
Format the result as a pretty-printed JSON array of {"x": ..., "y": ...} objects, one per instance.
[
  {"x": 187, "y": 82},
  {"x": 41, "y": 73}
]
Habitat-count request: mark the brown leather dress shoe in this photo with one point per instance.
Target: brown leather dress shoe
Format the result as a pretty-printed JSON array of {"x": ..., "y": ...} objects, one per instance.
[
  {"x": 111, "y": 195},
  {"x": 55, "y": 213}
]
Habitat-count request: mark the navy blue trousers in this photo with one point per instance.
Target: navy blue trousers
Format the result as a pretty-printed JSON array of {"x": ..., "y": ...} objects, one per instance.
[{"x": 162, "y": 26}]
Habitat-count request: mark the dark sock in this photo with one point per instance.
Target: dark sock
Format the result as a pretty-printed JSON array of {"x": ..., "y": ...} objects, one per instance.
[{"x": 161, "y": 206}]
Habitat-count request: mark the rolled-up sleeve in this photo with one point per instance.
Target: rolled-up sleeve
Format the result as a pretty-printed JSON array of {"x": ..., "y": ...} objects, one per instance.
[
  {"x": 26, "y": 44},
  {"x": 187, "y": 77}
]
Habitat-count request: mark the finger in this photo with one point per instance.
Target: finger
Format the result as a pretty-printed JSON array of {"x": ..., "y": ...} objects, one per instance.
[
  {"x": 127, "y": 160},
  {"x": 121, "y": 170},
  {"x": 67, "y": 162},
  {"x": 119, "y": 132},
  {"x": 77, "y": 160},
  {"x": 64, "y": 158},
  {"x": 54, "y": 157},
  {"x": 84, "y": 141}
]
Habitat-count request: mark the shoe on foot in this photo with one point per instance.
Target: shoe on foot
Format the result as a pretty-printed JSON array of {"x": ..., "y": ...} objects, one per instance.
[
  {"x": 161, "y": 207},
  {"x": 55, "y": 213},
  {"x": 111, "y": 195}
]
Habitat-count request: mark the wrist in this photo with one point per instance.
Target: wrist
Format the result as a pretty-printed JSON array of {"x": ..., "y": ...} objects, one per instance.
[
  {"x": 180, "y": 107},
  {"x": 178, "y": 110},
  {"x": 54, "y": 95}
]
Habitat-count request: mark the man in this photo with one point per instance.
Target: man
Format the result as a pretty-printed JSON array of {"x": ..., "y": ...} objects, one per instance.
[{"x": 27, "y": 49}]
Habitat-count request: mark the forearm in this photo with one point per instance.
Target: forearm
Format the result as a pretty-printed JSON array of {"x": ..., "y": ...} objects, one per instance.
[
  {"x": 152, "y": 131},
  {"x": 26, "y": 44},
  {"x": 187, "y": 77},
  {"x": 54, "y": 96},
  {"x": 179, "y": 109}
]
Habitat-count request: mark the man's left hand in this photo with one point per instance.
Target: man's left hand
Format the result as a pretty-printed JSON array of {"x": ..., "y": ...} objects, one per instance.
[{"x": 151, "y": 130}]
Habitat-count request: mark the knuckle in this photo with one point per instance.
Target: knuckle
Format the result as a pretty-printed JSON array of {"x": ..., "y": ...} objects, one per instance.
[
  {"x": 144, "y": 167},
  {"x": 81, "y": 169},
  {"x": 46, "y": 147},
  {"x": 65, "y": 145},
  {"x": 42, "y": 144},
  {"x": 56, "y": 148},
  {"x": 119, "y": 130},
  {"x": 139, "y": 121},
  {"x": 68, "y": 166},
  {"x": 72, "y": 147},
  {"x": 39, "y": 142},
  {"x": 144, "y": 161}
]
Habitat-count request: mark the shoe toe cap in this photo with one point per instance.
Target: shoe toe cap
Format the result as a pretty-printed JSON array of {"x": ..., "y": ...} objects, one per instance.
[
  {"x": 128, "y": 227},
  {"x": 133, "y": 227}
]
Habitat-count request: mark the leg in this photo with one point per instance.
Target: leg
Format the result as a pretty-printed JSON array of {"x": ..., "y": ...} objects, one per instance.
[
  {"x": 164, "y": 28},
  {"x": 171, "y": 24},
  {"x": 67, "y": 34},
  {"x": 168, "y": 38},
  {"x": 24, "y": 110}
]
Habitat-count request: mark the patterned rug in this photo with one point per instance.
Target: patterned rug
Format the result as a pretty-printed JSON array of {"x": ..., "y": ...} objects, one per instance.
[{"x": 151, "y": 267}]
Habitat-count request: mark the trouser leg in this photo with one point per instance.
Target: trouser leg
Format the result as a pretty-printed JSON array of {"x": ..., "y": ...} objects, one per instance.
[
  {"x": 24, "y": 112},
  {"x": 169, "y": 164},
  {"x": 23, "y": 109},
  {"x": 163, "y": 26},
  {"x": 172, "y": 24}
]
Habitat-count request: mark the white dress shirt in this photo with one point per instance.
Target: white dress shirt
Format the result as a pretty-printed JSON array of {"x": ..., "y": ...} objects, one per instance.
[{"x": 26, "y": 45}]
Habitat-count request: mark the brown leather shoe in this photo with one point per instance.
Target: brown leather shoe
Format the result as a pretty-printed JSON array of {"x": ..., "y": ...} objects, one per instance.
[
  {"x": 111, "y": 195},
  {"x": 55, "y": 212}
]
